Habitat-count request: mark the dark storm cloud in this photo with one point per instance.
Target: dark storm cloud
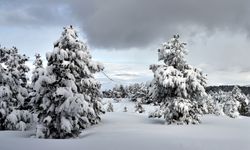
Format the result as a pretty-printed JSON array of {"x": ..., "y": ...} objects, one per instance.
[
  {"x": 123, "y": 24},
  {"x": 217, "y": 31},
  {"x": 136, "y": 23},
  {"x": 34, "y": 13}
]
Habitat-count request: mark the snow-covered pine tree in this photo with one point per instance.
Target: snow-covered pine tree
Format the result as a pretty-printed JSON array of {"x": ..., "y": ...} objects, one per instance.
[
  {"x": 177, "y": 86},
  {"x": 119, "y": 92},
  {"x": 107, "y": 93},
  {"x": 110, "y": 107},
  {"x": 13, "y": 91},
  {"x": 218, "y": 108},
  {"x": 231, "y": 106},
  {"x": 69, "y": 98},
  {"x": 208, "y": 105},
  {"x": 139, "y": 108},
  {"x": 37, "y": 73},
  {"x": 248, "y": 110},
  {"x": 220, "y": 96},
  {"x": 235, "y": 103},
  {"x": 5, "y": 91},
  {"x": 139, "y": 92},
  {"x": 229, "y": 103},
  {"x": 219, "y": 99},
  {"x": 132, "y": 91},
  {"x": 242, "y": 99}
]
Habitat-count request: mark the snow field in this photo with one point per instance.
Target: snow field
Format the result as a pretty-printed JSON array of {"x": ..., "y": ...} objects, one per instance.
[{"x": 132, "y": 131}]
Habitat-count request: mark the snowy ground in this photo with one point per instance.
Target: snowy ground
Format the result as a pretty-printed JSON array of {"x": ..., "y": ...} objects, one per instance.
[{"x": 129, "y": 131}]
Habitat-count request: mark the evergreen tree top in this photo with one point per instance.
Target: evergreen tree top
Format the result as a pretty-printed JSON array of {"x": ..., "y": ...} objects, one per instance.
[
  {"x": 38, "y": 62},
  {"x": 236, "y": 90},
  {"x": 69, "y": 40},
  {"x": 173, "y": 52}
]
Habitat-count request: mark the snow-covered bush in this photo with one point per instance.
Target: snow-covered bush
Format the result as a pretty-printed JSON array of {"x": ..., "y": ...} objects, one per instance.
[
  {"x": 177, "y": 86},
  {"x": 125, "y": 109},
  {"x": 139, "y": 108},
  {"x": 13, "y": 90},
  {"x": 19, "y": 120},
  {"x": 178, "y": 111},
  {"x": 110, "y": 107},
  {"x": 68, "y": 98}
]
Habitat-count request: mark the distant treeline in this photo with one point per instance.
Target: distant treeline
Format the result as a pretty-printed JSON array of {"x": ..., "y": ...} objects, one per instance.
[{"x": 227, "y": 88}]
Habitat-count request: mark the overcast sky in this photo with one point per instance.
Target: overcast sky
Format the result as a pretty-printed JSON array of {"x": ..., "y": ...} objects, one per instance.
[{"x": 125, "y": 34}]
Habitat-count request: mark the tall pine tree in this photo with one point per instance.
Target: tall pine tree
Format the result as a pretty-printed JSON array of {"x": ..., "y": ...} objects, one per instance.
[
  {"x": 37, "y": 74},
  {"x": 13, "y": 93},
  {"x": 177, "y": 86},
  {"x": 69, "y": 95}
]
